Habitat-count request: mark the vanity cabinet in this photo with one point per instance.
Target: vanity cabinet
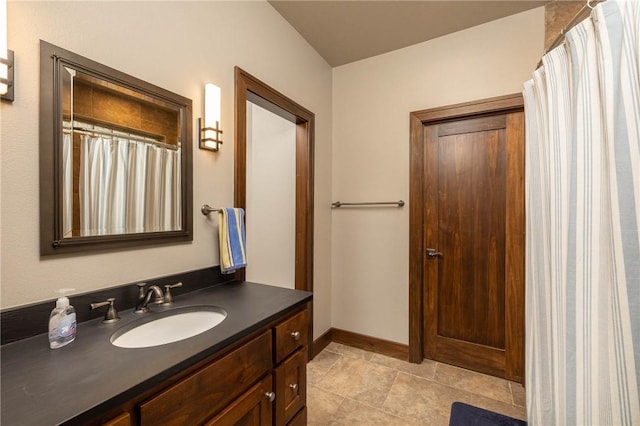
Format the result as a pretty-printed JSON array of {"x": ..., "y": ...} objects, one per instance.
[
  {"x": 226, "y": 375},
  {"x": 261, "y": 382}
]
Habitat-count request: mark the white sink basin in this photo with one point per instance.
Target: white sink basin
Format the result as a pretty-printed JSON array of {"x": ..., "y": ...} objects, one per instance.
[{"x": 168, "y": 327}]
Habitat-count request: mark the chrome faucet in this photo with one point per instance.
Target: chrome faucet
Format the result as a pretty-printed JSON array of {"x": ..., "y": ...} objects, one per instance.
[{"x": 145, "y": 298}]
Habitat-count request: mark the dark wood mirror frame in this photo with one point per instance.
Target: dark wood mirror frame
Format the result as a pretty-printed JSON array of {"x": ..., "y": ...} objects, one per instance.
[{"x": 52, "y": 59}]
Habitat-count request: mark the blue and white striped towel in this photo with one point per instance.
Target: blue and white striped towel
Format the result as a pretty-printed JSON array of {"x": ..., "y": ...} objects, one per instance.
[{"x": 232, "y": 240}]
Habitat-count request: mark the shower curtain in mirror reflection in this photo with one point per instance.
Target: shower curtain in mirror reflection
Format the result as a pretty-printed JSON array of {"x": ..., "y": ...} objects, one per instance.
[
  {"x": 124, "y": 187},
  {"x": 583, "y": 225}
]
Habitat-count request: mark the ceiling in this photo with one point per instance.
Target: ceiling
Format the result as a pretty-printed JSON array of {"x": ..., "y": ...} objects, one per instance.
[{"x": 347, "y": 31}]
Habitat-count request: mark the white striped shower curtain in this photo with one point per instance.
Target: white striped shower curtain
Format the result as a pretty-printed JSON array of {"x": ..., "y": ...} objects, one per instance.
[
  {"x": 583, "y": 225},
  {"x": 67, "y": 186},
  {"x": 128, "y": 187}
]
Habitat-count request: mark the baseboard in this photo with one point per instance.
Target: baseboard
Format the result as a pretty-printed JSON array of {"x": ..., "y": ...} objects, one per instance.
[
  {"x": 322, "y": 342},
  {"x": 361, "y": 341}
]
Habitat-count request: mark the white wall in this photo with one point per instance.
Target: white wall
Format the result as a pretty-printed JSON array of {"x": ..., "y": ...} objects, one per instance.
[
  {"x": 359, "y": 255},
  {"x": 271, "y": 198},
  {"x": 179, "y": 46},
  {"x": 372, "y": 100}
]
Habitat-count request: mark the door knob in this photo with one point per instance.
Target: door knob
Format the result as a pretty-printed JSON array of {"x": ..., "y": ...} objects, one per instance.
[{"x": 432, "y": 253}]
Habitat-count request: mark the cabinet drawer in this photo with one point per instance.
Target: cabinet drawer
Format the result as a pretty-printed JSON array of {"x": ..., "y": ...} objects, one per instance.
[
  {"x": 291, "y": 386},
  {"x": 252, "y": 408},
  {"x": 291, "y": 334},
  {"x": 199, "y": 396}
]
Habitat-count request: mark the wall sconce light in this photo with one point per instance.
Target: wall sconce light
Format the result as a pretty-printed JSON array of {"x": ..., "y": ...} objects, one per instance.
[
  {"x": 6, "y": 58},
  {"x": 209, "y": 128}
]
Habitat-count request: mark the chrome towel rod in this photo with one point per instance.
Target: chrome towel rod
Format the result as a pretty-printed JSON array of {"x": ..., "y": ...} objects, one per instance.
[
  {"x": 338, "y": 204},
  {"x": 206, "y": 209}
]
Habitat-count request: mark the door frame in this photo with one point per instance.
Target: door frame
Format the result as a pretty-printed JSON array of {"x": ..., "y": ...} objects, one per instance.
[
  {"x": 514, "y": 312},
  {"x": 248, "y": 87}
]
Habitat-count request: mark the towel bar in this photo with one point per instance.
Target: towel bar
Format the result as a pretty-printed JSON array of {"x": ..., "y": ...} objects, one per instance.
[
  {"x": 206, "y": 209},
  {"x": 338, "y": 204}
]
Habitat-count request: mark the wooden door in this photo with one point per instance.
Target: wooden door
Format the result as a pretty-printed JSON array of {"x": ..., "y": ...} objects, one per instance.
[{"x": 472, "y": 242}]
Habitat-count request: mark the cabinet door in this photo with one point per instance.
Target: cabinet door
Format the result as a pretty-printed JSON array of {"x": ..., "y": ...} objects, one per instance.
[
  {"x": 253, "y": 408},
  {"x": 291, "y": 386},
  {"x": 204, "y": 393}
]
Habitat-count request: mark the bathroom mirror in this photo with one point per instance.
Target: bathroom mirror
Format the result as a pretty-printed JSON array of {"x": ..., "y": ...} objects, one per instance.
[{"x": 115, "y": 158}]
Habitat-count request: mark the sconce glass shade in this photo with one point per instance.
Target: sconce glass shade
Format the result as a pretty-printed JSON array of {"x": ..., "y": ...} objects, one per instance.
[
  {"x": 6, "y": 57},
  {"x": 4, "y": 73},
  {"x": 210, "y": 130},
  {"x": 3, "y": 35},
  {"x": 212, "y": 103}
]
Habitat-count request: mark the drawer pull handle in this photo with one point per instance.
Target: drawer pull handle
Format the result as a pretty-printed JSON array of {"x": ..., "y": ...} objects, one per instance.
[
  {"x": 271, "y": 396},
  {"x": 294, "y": 387},
  {"x": 295, "y": 335}
]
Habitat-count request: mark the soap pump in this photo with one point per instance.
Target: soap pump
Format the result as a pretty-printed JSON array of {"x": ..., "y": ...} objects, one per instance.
[{"x": 62, "y": 321}]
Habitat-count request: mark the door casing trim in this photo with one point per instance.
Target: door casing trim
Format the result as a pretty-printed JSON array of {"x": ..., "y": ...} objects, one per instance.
[{"x": 248, "y": 87}]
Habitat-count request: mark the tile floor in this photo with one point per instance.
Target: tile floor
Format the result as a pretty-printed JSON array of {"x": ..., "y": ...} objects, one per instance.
[{"x": 349, "y": 386}]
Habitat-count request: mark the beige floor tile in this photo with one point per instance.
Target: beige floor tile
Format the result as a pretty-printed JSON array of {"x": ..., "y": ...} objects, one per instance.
[
  {"x": 518, "y": 393},
  {"x": 470, "y": 381},
  {"x": 426, "y": 369},
  {"x": 318, "y": 367},
  {"x": 349, "y": 351},
  {"x": 321, "y": 406},
  {"x": 353, "y": 413},
  {"x": 418, "y": 398},
  {"x": 359, "y": 379},
  {"x": 350, "y": 386}
]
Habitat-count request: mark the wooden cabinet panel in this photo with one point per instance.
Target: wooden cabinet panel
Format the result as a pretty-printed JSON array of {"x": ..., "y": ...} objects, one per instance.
[
  {"x": 198, "y": 397},
  {"x": 291, "y": 334},
  {"x": 253, "y": 408},
  {"x": 291, "y": 387},
  {"x": 123, "y": 419},
  {"x": 300, "y": 419}
]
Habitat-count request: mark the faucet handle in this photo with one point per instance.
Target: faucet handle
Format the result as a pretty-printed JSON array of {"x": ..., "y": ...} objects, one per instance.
[
  {"x": 111, "y": 315},
  {"x": 168, "y": 298},
  {"x": 141, "y": 289}
]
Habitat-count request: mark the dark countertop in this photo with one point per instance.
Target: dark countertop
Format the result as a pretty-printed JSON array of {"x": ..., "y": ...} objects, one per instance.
[{"x": 40, "y": 386}]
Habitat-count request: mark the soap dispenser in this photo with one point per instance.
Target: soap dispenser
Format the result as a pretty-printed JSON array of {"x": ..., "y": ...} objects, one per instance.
[{"x": 62, "y": 322}]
